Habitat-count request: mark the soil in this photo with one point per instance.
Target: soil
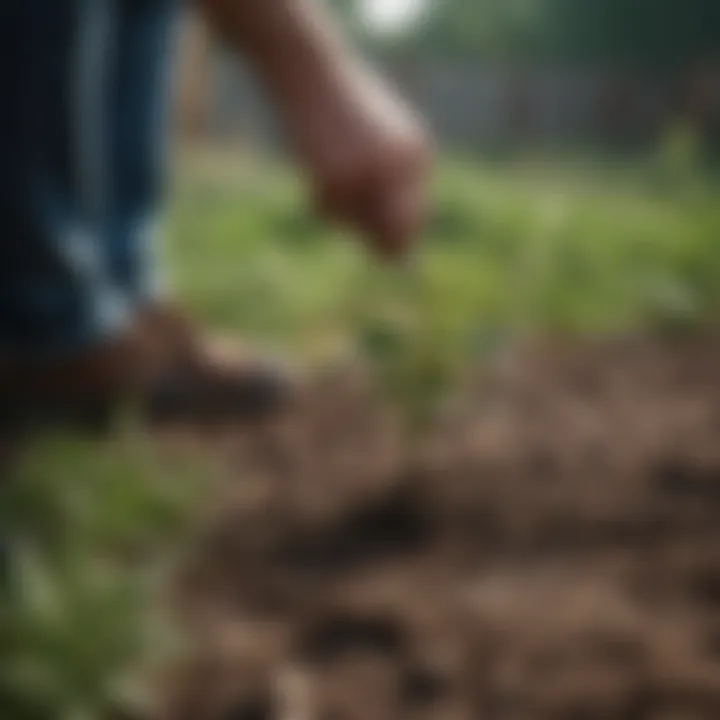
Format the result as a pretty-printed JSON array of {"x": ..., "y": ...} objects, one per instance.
[{"x": 550, "y": 550}]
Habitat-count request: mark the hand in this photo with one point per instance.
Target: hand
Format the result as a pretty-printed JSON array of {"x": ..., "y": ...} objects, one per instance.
[{"x": 368, "y": 158}]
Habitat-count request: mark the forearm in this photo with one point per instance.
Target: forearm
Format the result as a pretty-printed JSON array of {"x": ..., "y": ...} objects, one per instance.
[{"x": 293, "y": 44}]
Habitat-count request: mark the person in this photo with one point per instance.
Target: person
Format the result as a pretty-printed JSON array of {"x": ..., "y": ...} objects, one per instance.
[{"x": 85, "y": 322}]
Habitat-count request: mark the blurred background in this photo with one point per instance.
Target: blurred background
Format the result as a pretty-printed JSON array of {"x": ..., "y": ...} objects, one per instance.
[
  {"x": 502, "y": 498},
  {"x": 504, "y": 78}
]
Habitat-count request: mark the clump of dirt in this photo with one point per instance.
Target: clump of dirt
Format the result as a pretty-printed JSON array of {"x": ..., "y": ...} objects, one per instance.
[{"x": 550, "y": 550}]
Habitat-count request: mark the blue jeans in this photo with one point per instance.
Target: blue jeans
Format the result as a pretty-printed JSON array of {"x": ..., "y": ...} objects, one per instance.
[{"x": 83, "y": 97}]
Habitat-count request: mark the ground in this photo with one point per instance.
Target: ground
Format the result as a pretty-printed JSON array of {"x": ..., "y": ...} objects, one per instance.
[
  {"x": 499, "y": 499},
  {"x": 550, "y": 551}
]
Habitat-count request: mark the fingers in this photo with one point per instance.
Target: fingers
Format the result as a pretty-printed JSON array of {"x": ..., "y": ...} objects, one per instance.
[
  {"x": 395, "y": 219},
  {"x": 389, "y": 209}
]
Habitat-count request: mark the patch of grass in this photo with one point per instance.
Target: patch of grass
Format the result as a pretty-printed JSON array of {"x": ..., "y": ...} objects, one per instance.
[
  {"x": 89, "y": 532},
  {"x": 553, "y": 248}
]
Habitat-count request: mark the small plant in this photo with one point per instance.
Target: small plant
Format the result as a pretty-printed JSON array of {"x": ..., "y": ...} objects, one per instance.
[{"x": 409, "y": 336}]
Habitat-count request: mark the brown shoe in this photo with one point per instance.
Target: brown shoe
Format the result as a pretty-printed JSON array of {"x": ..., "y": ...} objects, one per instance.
[
  {"x": 204, "y": 379},
  {"x": 160, "y": 365}
]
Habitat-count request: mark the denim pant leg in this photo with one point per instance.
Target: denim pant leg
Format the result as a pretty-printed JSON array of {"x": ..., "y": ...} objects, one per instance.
[
  {"x": 145, "y": 35},
  {"x": 56, "y": 294}
]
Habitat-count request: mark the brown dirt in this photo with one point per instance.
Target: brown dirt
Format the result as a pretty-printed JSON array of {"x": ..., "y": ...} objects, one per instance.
[{"x": 550, "y": 551}]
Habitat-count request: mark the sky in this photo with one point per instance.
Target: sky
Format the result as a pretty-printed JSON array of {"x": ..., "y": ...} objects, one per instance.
[{"x": 391, "y": 15}]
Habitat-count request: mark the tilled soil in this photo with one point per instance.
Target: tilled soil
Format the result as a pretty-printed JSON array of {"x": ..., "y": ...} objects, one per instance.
[{"x": 549, "y": 551}]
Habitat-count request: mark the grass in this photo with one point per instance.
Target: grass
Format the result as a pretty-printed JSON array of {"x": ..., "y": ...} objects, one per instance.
[
  {"x": 90, "y": 531},
  {"x": 559, "y": 248},
  {"x": 510, "y": 250}
]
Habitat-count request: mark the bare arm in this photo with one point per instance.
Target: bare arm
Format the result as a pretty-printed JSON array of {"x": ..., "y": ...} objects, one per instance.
[{"x": 364, "y": 151}]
